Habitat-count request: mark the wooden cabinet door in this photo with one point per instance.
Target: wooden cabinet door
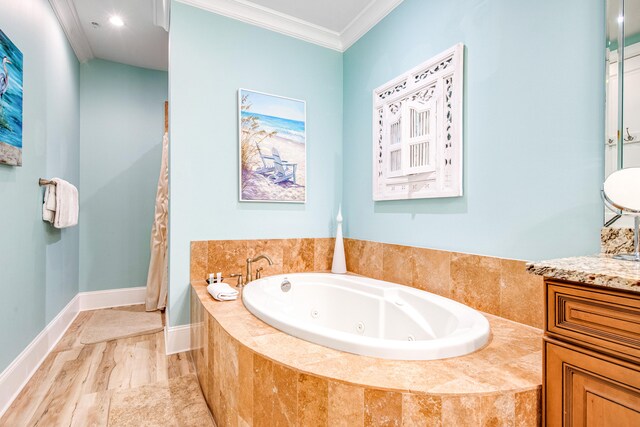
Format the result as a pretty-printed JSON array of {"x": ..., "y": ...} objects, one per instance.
[{"x": 586, "y": 389}]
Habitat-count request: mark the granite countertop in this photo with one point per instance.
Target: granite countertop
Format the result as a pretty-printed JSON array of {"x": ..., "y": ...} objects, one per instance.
[{"x": 599, "y": 270}]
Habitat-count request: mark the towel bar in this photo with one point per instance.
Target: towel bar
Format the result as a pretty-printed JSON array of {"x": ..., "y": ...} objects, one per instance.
[{"x": 43, "y": 181}]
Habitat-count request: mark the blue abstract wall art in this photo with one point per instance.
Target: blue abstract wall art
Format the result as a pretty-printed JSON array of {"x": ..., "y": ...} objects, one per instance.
[{"x": 10, "y": 102}]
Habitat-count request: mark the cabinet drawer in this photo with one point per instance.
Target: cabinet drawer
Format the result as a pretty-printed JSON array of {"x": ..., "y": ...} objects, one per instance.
[{"x": 600, "y": 319}]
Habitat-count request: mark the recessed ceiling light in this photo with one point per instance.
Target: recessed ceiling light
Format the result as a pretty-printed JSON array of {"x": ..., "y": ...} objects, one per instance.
[{"x": 116, "y": 21}]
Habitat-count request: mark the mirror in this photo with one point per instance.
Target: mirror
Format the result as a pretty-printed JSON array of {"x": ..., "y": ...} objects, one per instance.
[
  {"x": 622, "y": 196},
  {"x": 622, "y": 125}
]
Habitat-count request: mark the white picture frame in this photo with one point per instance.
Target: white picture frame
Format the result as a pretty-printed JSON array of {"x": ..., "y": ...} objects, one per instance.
[{"x": 272, "y": 148}]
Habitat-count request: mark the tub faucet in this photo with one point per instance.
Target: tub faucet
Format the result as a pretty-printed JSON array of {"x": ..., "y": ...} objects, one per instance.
[{"x": 249, "y": 276}]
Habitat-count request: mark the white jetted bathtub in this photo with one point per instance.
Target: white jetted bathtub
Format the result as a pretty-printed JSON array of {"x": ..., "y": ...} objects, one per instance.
[{"x": 366, "y": 316}]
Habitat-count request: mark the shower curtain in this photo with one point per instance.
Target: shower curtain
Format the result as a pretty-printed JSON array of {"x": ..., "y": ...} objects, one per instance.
[{"x": 157, "y": 279}]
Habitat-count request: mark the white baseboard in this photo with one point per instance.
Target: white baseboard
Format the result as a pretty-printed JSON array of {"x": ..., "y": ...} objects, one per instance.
[
  {"x": 177, "y": 339},
  {"x": 111, "y": 298},
  {"x": 19, "y": 372}
]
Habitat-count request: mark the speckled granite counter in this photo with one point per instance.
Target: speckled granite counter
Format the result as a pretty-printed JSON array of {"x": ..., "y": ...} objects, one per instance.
[
  {"x": 599, "y": 270},
  {"x": 616, "y": 240}
]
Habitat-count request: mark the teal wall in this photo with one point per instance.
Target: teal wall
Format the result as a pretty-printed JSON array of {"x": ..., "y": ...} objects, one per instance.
[
  {"x": 121, "y": 128},
  {"x": 210, "y": 58},
  {"x": 533, "y": 126},
  {"x": 39, "y": 265}
]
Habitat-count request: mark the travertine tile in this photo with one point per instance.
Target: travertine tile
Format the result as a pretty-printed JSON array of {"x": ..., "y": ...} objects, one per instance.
[
  {"x": 298, "y": 255},
  {"x": 372, "y": 260},
  {"x": 228, "y": 415},
  {"x": 431, "y": 271},
  {"x": 382, "y": 408},
  {"x": 227, "y": 256},
  {"x": 199, "y": 260},
  {"x": 281, "y": 395},
  {"x": 527, "y": 408},
  {"x": 521, "y": 294},
  {"x": 245, "y": 384},
  {"x": 313, "y": 395},
  {"x": 210, "y": 379},
  {"x": 346, "y": 405},
  {"x": 263, "y": 391},
  {"x": 353, "y": 251},
  {"x": 475, "y": 281},
  {"x": 285, "y": 399},
  {"x": 398, "y": 264},
  {"x": 228, "y": 371},
  {"x": 364, "y": 257},
  {"x": 323, "y": 254},
  {"x": 462, "y": 411},
  {"x": 421, "y": 410},
  {"x": 498, "y": 410},
  {"x": 273, "y": 248}
]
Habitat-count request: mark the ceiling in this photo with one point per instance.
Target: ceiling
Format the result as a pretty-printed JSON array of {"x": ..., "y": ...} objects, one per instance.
[
  {"x": 143, "y": 40},
  {"x": 139, "y": 42}
]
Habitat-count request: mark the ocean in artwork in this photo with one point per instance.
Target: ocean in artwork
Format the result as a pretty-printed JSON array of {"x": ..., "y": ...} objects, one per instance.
[
  {"x": 273, "y": 158},
  {"x": 285, "y": 128},
  {"x": 11, "y": 91}
]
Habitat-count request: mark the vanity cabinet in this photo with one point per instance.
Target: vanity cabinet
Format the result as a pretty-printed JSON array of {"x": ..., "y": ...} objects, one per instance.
[{"x": 591, "y": 356}]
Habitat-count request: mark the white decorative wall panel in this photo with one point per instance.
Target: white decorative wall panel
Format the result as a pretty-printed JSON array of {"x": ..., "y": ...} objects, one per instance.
[{"x": 417, "y": 131}]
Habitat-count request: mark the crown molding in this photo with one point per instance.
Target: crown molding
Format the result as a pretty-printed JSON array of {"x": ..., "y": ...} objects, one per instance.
[
  {"x": 70, "y": 22},
  {"x": 251, "y": 13},
  {"x": 260, "y": 16},
  {"x": 366, "y": 20}
]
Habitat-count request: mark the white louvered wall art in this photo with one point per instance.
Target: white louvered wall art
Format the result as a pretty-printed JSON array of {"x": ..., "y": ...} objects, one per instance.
[{"x": 417, "y": 131}]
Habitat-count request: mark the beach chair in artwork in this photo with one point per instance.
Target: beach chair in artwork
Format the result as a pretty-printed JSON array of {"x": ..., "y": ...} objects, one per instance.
[
  {"x": 267, "y": 163},
  {"x": 284, "y": 171}
]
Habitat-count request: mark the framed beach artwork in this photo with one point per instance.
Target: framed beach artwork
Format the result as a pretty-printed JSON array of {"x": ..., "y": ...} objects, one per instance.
[
  {"x": 10, "y": 102},
  {"x": 273, "y": 148}
]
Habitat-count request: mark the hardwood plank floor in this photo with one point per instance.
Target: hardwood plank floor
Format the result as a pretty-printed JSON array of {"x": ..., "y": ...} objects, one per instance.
[{"x": 125, "y": 382}]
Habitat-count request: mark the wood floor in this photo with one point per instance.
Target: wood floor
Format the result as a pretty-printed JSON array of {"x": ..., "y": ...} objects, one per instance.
[{"x": 126, "y": 382}]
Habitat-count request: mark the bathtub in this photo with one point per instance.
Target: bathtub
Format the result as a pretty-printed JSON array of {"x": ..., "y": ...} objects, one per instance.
[{"x": 366, "y": 316}]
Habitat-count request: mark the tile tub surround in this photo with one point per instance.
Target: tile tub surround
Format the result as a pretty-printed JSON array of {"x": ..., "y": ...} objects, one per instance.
[
  {"x": 598, "y": 270},
  {"x": 494, "y": 285},
  {"x": 615, "y": 241},
  {"x": 288, "y": 255},
  {"x": 253, "y": 374}
]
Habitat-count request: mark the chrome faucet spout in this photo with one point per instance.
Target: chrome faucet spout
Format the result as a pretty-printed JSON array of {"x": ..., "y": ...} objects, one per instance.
[{"x": 250, "y": 261}]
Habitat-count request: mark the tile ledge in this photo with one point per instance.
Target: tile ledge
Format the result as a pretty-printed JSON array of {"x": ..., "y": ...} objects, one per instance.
[{"x": 313, "y": 359}]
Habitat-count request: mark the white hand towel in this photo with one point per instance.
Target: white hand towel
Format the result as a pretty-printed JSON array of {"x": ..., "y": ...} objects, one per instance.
[
  {"x": 66, "y": 204},
  {"x": 222, "y": 292},
  {"x": 49, "y": 205}
]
